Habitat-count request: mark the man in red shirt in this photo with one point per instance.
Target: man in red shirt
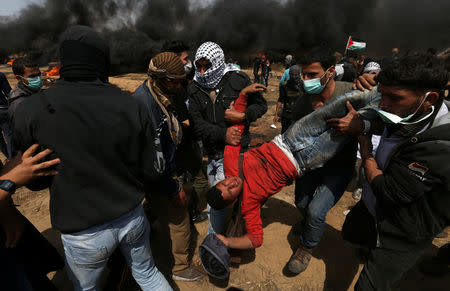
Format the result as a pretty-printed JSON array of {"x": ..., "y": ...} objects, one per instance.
[{"x": 306, "y": 145}]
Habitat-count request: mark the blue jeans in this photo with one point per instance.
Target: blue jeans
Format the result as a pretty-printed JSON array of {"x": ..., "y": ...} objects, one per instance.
[
  {"x": 216, "y": 218},
  {"x": 87, "y": 252},
  {"x": 310, "y": 139},
  {"x": 315, "y": 193}
]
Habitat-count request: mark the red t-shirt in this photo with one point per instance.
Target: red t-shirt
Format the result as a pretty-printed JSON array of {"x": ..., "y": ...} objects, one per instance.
[{"x": 266, "y": 171}]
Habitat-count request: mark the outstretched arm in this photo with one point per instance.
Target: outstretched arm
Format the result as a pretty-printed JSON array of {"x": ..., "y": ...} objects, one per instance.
[{"x": 231, "y": 152}]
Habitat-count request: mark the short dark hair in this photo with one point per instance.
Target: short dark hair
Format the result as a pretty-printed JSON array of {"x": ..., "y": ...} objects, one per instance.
[
  {"x": 215, "y": 199},
  {"x": 19, "y": 65},
  {"x": 175, "y": 46},
  {"x": 322, "y": 55},
  {"x": 418, "y": 72}
]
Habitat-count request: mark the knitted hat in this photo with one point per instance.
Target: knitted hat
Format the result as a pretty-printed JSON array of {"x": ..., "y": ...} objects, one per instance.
[{"x": 166, "y": 65}]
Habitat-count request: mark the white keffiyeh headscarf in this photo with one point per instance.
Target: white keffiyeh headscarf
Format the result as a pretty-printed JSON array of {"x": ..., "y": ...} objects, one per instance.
[{"x": 213, "y": 53}]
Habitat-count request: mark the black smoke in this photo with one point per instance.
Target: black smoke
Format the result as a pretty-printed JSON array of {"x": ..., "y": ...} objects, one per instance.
[{"x": 137, "y": 28}]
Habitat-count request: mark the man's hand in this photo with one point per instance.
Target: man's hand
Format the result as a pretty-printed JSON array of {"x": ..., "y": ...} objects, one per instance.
[
  {"x": 233, "y": 136},
  {"x": 23, "y": 168},
  {"x": 364, "y": 81},
  {"x": 223, "y": 239},
  {"x": 253, "y": 88},
  {"x": 365, "y": 146},
  {"x": 12, "y": 222},
  {"x": 233, "y": 116},
  {"x": 349, "y": 124},
  {"x": 180, "y": 200}
]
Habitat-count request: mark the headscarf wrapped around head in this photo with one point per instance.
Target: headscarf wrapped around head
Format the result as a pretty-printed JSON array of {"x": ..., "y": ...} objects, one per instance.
[
  {"x": 166, "y": 65},
  {"x": 372, "y": 68},
  {"x": 212, "y": 52}
]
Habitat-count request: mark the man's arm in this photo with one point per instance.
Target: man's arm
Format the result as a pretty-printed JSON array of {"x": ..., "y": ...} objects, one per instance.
[
  {"x": 257, "y": 105},
  {"x": 232, "y": 152},
  {"x": 389, "y": 189},
  {"x": 21, "y": 170},
  {"x": 280, "y": 101},
  {"x": 353, "y": 124},
  {"x": 241, "y": 243},
  {"x": 202, "y": 128}
]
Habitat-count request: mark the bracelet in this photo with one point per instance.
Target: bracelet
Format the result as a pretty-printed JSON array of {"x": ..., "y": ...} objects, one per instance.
[{"x": 366, "y": 127}]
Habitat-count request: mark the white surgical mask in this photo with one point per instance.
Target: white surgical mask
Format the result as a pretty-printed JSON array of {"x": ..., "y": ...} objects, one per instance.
[{"x": 392, "y": 118}]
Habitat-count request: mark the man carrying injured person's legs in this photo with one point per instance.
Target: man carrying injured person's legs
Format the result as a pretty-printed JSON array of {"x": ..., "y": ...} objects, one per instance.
[{"x": 306, "y": 145}]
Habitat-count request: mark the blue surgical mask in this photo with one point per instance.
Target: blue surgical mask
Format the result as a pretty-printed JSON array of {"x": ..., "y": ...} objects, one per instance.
[
  {"x": 35, "y": 83},
  {"x": 391, "y": 118},
  {"x": 314, "y": 86}
]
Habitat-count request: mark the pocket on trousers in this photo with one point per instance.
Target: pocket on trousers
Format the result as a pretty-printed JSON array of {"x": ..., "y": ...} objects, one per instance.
[
  {"x": 88, "y": 257},
  {"x": 137, "y": 230}
]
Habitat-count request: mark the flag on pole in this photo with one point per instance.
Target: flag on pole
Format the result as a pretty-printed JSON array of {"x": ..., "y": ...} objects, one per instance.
[{"x": 355, "y": 45}]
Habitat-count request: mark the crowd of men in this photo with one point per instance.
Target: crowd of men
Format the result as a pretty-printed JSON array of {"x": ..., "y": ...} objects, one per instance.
[{"x": 116, "y": 166}]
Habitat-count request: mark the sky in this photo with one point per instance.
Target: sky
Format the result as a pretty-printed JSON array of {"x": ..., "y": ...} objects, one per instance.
[{"x": 11, "y": 7}]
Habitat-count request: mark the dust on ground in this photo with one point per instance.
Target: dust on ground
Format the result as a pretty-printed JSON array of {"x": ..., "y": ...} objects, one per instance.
[{"x": 333, "y": 266}]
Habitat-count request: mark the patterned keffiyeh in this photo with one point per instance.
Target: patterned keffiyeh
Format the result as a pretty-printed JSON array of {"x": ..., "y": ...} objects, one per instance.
[{"x": 213, "y": 53}]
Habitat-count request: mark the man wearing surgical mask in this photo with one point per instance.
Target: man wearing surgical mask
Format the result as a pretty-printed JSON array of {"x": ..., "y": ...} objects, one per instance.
[
  {"x": 28, "y": 76},
  {"x": 406, "y": 199},
  {"x": 319, "y": 190}
]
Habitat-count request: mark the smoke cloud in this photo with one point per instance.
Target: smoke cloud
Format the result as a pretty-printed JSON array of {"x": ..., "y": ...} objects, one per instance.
[{"x": 137, "y": 28}]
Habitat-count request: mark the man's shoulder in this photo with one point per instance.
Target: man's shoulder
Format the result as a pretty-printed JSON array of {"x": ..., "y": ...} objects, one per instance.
[
  {"x": 342, "y": 87},
  {"x": 141, "y": 91},
  {"x": 238, "y": 80}
]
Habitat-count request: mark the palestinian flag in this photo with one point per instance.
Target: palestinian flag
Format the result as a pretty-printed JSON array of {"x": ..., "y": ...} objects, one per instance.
[{"x": 355, "y": 45}]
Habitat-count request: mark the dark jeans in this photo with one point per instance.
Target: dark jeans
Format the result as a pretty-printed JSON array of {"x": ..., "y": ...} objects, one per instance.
[
  {"x": 387, "y": 262},
  {"x": 386, "y": 265},
  {"x": 315, "y": 193}
]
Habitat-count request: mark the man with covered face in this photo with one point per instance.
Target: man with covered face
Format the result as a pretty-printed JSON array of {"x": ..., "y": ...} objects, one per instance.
[
  {"x": 106, "y": 143},
  {"x": 212, "y": 94},
  {"x": 166, "y": 76}
]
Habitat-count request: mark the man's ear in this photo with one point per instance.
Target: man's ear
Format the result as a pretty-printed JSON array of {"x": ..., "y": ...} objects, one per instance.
[
  {"x": 432, "y": 98},
  {"x": 332, "y": 69}
]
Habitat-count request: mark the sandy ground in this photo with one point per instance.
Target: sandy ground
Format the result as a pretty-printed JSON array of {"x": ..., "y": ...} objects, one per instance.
[{"x": 333, "y": 266}]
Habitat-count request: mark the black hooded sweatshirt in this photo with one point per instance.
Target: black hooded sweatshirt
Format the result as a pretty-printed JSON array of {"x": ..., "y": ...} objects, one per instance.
[{"x": 104, "y": 138}]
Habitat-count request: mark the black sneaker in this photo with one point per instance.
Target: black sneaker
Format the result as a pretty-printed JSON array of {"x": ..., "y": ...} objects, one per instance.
[{"x": 191, "y": 274}]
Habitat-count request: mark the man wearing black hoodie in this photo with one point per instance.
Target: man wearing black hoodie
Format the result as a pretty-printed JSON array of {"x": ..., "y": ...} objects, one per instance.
[{"x": 105, "y": 141}]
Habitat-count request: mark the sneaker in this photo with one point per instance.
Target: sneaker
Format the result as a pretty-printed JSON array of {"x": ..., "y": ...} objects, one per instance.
[
  {"x": 300, "y": 260},
  {"x": 199, "y": 217},
  {"x": 189, "y": 275},
  {"x": 357, "y": 194}
]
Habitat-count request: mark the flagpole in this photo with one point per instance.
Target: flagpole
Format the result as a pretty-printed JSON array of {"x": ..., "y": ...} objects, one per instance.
[{"x": 348, "y": 40}]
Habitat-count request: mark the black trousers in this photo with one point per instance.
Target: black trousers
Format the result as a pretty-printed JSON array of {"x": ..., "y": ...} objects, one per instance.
[
  {"x": 285, "y": 123},
  {"x": 387, "y": 263}
]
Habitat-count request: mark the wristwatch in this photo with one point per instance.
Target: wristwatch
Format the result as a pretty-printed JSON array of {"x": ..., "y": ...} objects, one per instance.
[{"x": 8, "y": 186}]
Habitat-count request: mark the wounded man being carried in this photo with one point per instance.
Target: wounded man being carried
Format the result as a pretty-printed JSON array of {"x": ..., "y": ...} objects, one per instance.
[{"x": 308, "y": 144}]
